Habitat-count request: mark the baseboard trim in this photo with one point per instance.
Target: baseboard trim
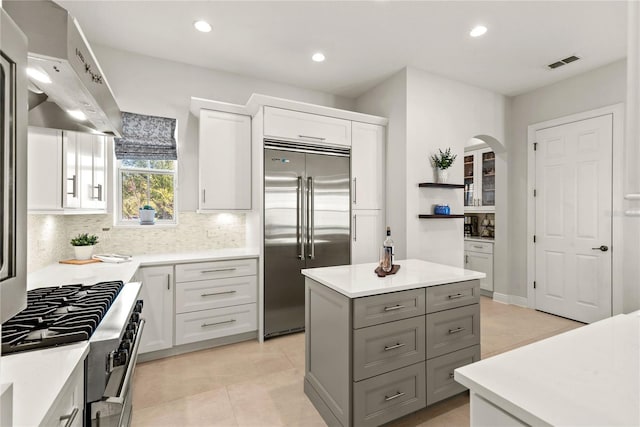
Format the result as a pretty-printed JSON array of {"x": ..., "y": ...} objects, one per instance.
[{"x": 510, "y": 299}]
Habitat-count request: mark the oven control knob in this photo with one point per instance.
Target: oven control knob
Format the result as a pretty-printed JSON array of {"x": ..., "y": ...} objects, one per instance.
[
  {"x": 120, "y": 357},
  {"x": 125, "y": 345},
  {"x": 128, "y": 335},
  {"x": 135, "y": 317},
  {"x": 133, "y": 327},
  {"x": 138, "y": 307}
]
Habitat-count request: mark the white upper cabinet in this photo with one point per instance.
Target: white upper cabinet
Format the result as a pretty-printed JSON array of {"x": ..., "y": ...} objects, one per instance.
[
  {"x": 310, "y": 128},
  {"x": 67, "y": 171},
  {"x": 224, "y": 161},
  {"x": 367, "y": 166},
  {"x": 479, "y": 180}
]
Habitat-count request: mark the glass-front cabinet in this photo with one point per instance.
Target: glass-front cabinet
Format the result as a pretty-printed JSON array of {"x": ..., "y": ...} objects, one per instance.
[{"x": 479, "y": 180}]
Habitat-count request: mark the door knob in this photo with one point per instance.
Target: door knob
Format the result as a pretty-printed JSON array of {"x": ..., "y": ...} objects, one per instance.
[{"x": 602, "y": 248}]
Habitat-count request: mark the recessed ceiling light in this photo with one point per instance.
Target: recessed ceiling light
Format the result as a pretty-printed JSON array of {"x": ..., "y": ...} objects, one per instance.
[
  {"x": 77, "y": 114},
  {"x": 38, "y": 75},
  {"x": 478, "y": 31},
  {"x": 318, "y": 57},
  {"x": 202, "y": 26}
]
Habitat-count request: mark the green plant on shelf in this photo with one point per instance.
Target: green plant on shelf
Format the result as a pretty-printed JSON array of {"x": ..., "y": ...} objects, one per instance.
[
  {"x": 444, "y": 159},
  {"x": 84, "y": 239}
]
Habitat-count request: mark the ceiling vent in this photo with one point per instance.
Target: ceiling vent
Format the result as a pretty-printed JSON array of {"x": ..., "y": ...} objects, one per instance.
[{"x": 565, "y": 61}]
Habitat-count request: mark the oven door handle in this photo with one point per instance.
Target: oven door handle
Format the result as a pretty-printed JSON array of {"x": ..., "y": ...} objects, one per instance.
[{"x": 128, "y": 376}]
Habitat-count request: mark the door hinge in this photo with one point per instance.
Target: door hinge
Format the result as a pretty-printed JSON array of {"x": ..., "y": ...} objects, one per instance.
[
  {"x": 535, "y": 146},
  {"x": 535, "y": 192},
  {"x": 534, "y": 284},
  {"x": 534, "y": 238}
]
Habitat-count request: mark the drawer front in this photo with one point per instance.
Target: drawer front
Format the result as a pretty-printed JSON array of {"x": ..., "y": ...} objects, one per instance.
[
  {"x": 216, "y": 269},
  {"x": 452, "y": 330},
  {"x": 383, "y": 348},
  {"x": 311, "y": 128},
  {"x": 216, "y": 293},
  {"x": 484, "y": 247},
  {"x": 440, "y": 382},
  {"x": 452, "y": 295},
  {"x": 389, "y": 396},
  {"x": 216, "y": 323},
  {"x": 373, "y": 310},
  {"x": 69, "y": 404}
]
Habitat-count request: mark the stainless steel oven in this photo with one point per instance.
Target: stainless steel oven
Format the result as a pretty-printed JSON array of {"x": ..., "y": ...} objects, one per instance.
[{"x": 13, "y": 175}]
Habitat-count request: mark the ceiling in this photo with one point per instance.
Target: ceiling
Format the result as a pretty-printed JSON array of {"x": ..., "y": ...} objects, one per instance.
[{"x": 367, "y": 41}]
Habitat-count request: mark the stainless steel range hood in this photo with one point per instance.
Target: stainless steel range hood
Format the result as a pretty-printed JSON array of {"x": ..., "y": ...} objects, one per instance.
[{"x": 60, "y": 52}]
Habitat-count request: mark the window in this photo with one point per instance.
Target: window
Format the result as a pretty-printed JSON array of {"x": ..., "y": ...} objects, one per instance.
[{"x": 146, "y": 182}]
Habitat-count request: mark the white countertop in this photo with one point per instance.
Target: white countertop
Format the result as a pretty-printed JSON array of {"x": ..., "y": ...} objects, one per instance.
[
  {"x": 589, "y": 376},
  {"x": 88, "y": 274},
  {"x": 38, "y": 377},
  {"x": 360, "y": 280}
]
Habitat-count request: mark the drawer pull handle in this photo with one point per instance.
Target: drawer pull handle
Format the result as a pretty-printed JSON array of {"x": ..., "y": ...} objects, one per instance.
[
  {"x": 204, "y": 325},
  {"x": 455, "y": 331},
  {"x": 312, "y": 137},
  {"x": 217, "y": 270},
  {"x": 395, "y": 396},
  {"x": 394, "y": 307},
  {"x": 456, "y": 296},
  {"x": 393, "y": 347},
  {"x": 69, "y": 418},
  {"x": 210, "y": 294},
  {"x": 451, "y": 375},
  {"x": 478, "y": 246}
]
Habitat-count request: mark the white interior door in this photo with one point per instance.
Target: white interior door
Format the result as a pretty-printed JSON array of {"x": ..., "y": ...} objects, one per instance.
[{"x": 574, "y": 219}]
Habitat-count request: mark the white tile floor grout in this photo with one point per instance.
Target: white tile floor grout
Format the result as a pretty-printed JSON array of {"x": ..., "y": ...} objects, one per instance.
[{"x": 253, "y": 384}]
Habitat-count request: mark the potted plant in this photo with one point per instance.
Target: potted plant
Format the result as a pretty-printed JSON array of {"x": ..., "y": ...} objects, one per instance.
[
  {"x": 83, "y": 245},
  {"x": 147, "y": 215},
  {"x": 443, "y": 161}
]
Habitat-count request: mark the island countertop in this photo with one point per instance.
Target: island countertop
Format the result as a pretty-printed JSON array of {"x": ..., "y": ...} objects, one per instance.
[
  {"x": 360, "y": 280},
  {"x": 589, "y": 376}
]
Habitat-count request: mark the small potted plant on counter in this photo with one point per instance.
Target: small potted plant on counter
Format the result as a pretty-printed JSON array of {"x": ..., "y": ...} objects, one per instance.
[
  {"x": 83, "y": 245},
  {"x": 443, "y": 161},
  {"x": 147, "y": 215}
]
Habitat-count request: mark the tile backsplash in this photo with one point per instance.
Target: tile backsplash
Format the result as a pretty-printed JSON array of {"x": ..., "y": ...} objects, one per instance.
[{"x": 48, "y": 236}]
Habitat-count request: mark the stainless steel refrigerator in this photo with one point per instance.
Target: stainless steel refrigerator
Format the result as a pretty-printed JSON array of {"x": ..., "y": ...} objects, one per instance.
[{"x": 306, "y": 225}]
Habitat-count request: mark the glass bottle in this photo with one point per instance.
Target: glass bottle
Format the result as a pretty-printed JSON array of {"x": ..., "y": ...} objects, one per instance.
[{"x": 387, "y": 247}]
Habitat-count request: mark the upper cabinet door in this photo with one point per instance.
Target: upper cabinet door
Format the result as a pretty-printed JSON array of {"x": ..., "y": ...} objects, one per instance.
[
  {"x": 45, "y": 170},
  {"x": 479, "y": 180},
  {"x": 367, "y": 166},
  {"x": 304, "y": 127},
  {"x": 71, "y": 170},
  {"x": 224, "y": 161},
  {"x": 92, "y": 153}
]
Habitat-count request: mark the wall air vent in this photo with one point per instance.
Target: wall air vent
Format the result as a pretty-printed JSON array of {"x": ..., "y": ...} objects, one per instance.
[{"x": 565, "y": 61}]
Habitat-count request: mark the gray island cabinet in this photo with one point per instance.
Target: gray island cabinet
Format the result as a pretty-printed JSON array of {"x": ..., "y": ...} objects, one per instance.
[{"x": 380, "y": 348}]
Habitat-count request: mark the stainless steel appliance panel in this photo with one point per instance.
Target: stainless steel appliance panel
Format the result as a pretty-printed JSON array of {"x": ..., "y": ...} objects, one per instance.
[
  {"x": 307, "y": 224},
  {"x": 284, "y": 241},
  {"x": 13, "y": 161}
]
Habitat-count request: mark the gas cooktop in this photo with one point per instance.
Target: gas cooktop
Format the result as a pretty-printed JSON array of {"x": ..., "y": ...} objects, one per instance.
[{"x": 58, "y": 315}]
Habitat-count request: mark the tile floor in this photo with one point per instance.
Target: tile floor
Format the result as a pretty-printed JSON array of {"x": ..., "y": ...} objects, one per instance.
[{"x": 253, "y": 384}]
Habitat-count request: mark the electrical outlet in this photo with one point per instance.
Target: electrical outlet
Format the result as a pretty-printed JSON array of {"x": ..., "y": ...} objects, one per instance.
[{"x": 211, "y": 232}]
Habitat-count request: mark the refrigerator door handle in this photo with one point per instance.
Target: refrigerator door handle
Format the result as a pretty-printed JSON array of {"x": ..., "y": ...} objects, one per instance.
[
  {"x": 311, "y": 219},
  {"x": 299, "y": 239}
]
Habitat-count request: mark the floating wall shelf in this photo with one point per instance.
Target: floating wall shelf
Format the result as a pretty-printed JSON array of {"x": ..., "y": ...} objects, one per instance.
[
  {"x": 436, "y": 184},
  {"x": 439, "y": 216}
]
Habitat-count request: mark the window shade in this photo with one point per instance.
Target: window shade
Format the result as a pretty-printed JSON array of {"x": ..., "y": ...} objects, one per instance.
[{"x": 146, "y": 138}]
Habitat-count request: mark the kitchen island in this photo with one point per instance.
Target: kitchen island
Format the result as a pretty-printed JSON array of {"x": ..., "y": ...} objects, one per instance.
[
  {"x": 589, "y": 376},
  {"x": 377, "y": 348}
]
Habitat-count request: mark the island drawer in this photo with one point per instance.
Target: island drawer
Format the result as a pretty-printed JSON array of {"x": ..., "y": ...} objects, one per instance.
[
  {"x": 389, "y": 396},
  {"x": 216, "y": 269},
  {"x": 373, "y": 310},
  {"x": 440, "y": 382},
  {"x": 215, "y": 293},
  {"x": 452, "y": 295},
  {"x": 452, "y": 330},
  {"x": 382, "y": 348},
  {"x": 215, "y": 323}
]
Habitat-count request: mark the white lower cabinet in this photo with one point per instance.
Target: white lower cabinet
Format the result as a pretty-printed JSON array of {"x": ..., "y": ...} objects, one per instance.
[
  {"x": 68, "y": 408},
  {"x": 215, "y": 323},
  {"x": 157, "y": 294},
  {"x": 478, "y": 256},
  {"x": 367, "y": 235}
]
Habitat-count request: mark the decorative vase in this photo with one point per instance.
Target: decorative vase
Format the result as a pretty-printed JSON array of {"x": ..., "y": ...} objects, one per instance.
[
  {"x": 147, "y": 216},
  {"x": 83, "y": 252},
  {"x": 443, "y": 176}
]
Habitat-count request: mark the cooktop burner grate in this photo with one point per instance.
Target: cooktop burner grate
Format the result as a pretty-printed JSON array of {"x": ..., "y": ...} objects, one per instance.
[{"x": 58, "y": 315}]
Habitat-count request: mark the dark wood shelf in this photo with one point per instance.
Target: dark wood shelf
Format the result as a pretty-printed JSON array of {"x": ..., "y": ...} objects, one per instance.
[
  {"x": 436, "y": 184},
  {"x": 439, "y": 216}
]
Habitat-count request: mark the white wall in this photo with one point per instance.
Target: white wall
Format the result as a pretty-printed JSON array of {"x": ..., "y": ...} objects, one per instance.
[
  {"x": 147, "y": 85},
  {"x": 598, "y": 88},
  {"x": 389, "y": 99}
]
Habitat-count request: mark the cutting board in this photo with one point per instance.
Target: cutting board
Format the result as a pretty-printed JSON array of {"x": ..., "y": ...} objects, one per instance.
[{"x": 79, "y": 261}]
